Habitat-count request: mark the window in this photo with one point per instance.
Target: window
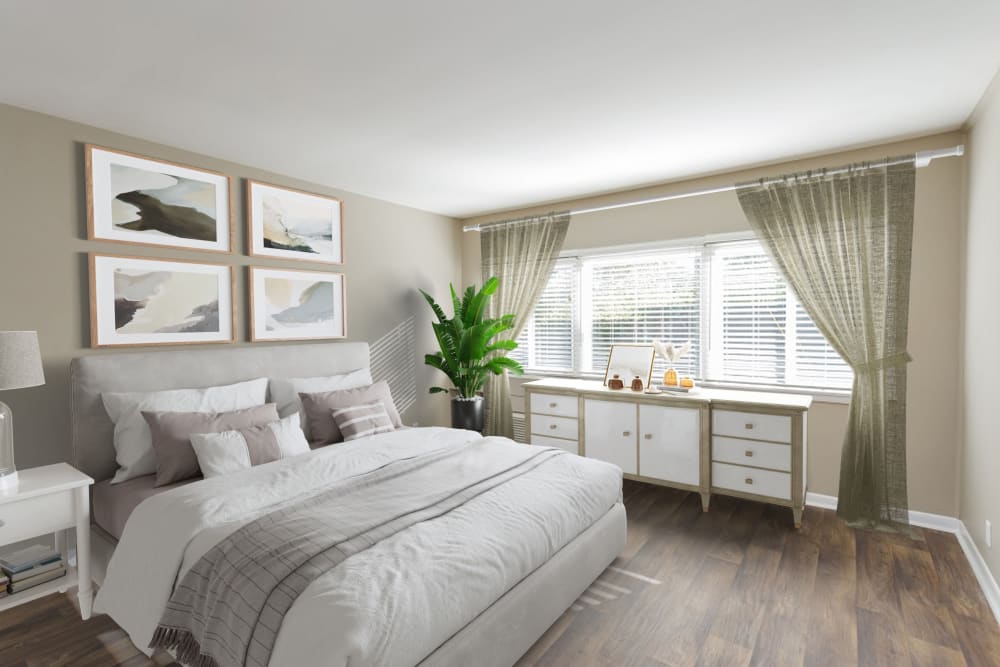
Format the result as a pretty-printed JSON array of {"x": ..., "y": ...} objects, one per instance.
[{"x": 726, "y": 298}]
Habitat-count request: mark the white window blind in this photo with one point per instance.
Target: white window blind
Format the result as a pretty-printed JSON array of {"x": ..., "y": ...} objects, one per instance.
[
  {"x": 547, "y": 341},
  {"x": 727, "y": 299},
  {"x": 749, "y": 316},
  {"x": 637, "y": 298}
]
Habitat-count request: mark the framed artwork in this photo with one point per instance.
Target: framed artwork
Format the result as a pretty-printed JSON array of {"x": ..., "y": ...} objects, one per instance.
[
  {"x": 291, "y": 224},
  {"x": 134, "y": 199},
  {"x": 137, "y": 301},
  {"x": 296, "y": 305},
  {"x": 627, "y": 361}
]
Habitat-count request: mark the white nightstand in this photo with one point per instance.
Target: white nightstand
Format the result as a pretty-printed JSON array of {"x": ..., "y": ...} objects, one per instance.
[{"x": 50, "y": 499}]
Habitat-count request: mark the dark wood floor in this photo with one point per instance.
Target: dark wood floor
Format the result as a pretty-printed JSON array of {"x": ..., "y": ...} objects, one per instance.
[{"x": 735, "y": 586}]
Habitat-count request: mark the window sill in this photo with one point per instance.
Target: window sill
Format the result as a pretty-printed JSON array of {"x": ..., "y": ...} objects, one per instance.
[{"x": 833, "y": 396}]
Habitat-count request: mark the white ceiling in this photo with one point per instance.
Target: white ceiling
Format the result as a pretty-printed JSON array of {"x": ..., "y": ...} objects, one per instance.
[{"x": 464, "y": 107}]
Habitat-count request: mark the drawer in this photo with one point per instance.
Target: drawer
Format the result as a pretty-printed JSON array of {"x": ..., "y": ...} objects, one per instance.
[
  {"x": 555, "y": 427},
  {"x": 36, "y": 516},
  {"x": 571, "y": 446},
  {"x": 767, "y": 483},
  {"x": 554, "y": 404},
  {"x": 752, "y": 453},
  {"x": 754, "y": 425}
]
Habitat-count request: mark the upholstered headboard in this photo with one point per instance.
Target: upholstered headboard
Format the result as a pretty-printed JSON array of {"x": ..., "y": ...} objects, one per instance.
[{"x": 92, "y": 429}]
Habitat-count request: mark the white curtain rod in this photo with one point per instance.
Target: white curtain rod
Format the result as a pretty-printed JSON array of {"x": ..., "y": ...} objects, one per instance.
[{"x": 924, "y": 158}]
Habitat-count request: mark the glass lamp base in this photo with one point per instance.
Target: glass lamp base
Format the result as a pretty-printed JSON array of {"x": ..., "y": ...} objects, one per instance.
[
  {"x": 8, "y": 481},
  {"x": 8, "y": 473}
]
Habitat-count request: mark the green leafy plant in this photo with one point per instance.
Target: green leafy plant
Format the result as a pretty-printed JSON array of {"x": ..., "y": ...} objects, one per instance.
[{"x": 469, "y": 353}]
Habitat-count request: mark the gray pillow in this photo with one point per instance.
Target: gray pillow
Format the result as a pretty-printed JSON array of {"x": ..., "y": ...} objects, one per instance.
[
  {"x": 318, "y": 408},
  {"x": 359, "y": 421},
  {"x": 171, "y": 436}
]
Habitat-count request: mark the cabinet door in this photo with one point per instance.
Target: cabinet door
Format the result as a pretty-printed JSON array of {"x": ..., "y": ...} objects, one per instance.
[
  {"x": 610, "y": 433},
  {"x": 670, "y": 444}
]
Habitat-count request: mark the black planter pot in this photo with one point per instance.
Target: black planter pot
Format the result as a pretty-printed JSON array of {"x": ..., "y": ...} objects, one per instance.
[{"x": 468, "y": 413}]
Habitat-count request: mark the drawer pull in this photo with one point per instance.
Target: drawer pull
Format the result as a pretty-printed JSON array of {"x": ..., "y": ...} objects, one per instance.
[
  {"x": 552, "y": 405},
  {"x": 649, "y": 436},
  {"x": 552, "y": 426},
  {"x": 2, "y": 523},
  {"x": 749, "y": 453},
  {"x": 748, "y": 426},
  {"x": 749, "y": 480},
  {"x": 626, "y": 433}
]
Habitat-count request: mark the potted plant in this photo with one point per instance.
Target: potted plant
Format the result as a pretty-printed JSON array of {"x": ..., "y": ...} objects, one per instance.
[{"x": 469, "y": 354}]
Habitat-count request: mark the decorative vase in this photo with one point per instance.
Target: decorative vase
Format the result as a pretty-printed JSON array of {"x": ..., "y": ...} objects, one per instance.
[
  {"x": 468, "y": 413},
  {"x": 670, "y": 378},
  {"x": 616, "y": 382},
  {"x": 637, "y": 383}
]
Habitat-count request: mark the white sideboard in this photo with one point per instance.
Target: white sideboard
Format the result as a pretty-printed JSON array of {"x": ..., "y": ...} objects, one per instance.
[{"x": 746, "y": 444}]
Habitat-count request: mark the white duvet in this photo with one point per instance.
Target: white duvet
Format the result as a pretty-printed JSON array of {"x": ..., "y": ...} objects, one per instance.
[{"x": 392, "y": 604}]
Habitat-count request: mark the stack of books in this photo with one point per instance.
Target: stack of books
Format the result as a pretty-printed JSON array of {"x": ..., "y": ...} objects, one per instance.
[{"x": 29, "y": 567}]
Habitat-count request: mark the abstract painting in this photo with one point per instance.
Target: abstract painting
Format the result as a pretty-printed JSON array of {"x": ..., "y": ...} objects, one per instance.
[
  {"x": 132, "y": 199},
  {"x": 292, "y": 224},
  {"x": 296, "y": 305},
  {"x": 153, "y": 302}
]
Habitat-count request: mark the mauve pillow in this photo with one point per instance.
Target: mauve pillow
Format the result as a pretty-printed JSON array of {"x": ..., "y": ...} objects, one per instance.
[
  {"x": 319, "y": 409},
  {"x": 171, "y": 434}
]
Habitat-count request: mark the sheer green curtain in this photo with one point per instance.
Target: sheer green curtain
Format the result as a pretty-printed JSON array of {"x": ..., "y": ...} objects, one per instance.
[
  {"x": 843, "y": 240},
  {"x": 522, "y": 254}
]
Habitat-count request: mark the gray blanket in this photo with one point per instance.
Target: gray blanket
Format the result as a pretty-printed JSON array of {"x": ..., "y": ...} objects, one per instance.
[{"x": 228, "y": 608}]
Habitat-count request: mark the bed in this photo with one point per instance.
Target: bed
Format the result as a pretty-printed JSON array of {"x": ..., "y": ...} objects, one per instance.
[{"x": 478, "y": 585}]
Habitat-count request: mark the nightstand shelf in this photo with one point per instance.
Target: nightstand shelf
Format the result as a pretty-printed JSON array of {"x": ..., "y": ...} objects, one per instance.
[{"x": 50, "y": 499}]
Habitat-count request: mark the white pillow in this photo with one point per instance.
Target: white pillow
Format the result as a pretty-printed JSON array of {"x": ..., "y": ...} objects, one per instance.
[
  {"x": 285, "y": 391},
  {"x": 232, "y": 451},
  {"x": 133, "y": 442}
]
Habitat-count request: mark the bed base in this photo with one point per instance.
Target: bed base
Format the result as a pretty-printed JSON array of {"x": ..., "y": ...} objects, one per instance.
[{"x": 506, "y": 630}]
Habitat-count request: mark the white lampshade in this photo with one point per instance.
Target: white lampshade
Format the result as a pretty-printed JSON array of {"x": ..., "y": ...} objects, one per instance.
[{"x": 20, "y": 360}]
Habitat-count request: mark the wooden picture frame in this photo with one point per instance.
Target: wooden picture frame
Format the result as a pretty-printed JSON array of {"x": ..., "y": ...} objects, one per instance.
[
  {"x": 286, "y": 223},
  {"x": 138, "y": 301},
  {"x": 140, "y": 200},
  {"x": 291, "y": 304},
  {"x": 633, "y": 358}
]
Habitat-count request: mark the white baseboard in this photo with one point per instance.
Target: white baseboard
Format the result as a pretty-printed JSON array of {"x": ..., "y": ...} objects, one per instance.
[
  {"x": 979, "y": 567},
  {"x": 947, "y": 524}
]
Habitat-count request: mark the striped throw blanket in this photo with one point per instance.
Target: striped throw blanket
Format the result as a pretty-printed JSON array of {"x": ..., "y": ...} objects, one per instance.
[{"x": 227, "y": 609}]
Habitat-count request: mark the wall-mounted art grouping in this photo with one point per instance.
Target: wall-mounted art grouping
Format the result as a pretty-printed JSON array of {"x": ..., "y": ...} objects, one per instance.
[{"x": 146, "y": 301}]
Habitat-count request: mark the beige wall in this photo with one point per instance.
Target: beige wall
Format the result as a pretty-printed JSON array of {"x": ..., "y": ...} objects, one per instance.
[
  {"x": 932, "y": 419},
  {"x": 980, "y": 498},
  {"x": 43, "y": 274}
]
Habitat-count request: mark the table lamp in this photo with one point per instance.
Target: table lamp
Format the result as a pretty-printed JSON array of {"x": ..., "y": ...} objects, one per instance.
[{"x": 20, "y": 366}]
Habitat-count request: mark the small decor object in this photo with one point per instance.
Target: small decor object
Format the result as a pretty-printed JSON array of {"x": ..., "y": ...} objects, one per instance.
[
  {"x": 136, "y": 301},
  {"x": 672, "y": 355},
  {"x": 20, "y": 367},
  {"x": 687, "y": 382},
  {"x": 630, "y": 360},
  {"x": 616, "y": 382},
  {"x": 637, "y": 383},
  {"x": 291, "y": 224},
  {"x": 469, "y": 351},
  {"x": 134, "y": 199},
  {"x": 296, "y": 305}
]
